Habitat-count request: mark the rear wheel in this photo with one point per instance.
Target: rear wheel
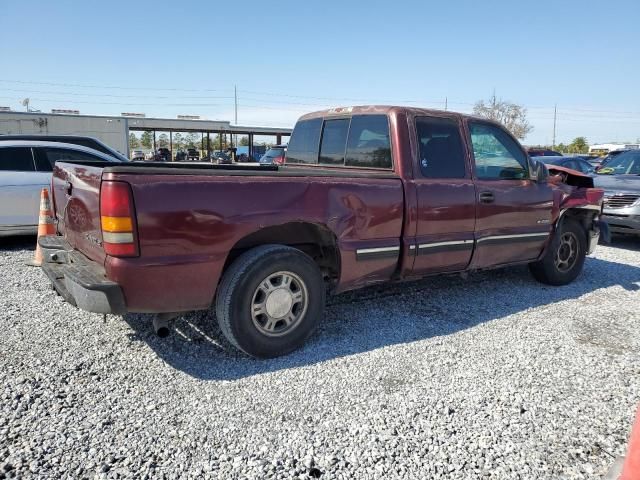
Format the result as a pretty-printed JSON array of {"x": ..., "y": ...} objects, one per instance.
[
  {"x": 270, "y": 300},
  {"x": 564, "y": 258}
]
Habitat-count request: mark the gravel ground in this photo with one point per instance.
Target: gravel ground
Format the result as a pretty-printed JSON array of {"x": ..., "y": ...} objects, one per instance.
[{"x": 494, "y": 376}]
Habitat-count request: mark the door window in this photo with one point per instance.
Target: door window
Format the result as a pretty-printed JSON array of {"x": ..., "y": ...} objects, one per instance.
[
  {"x": 572, "y": 164},
  {"x": 585, "y": 167},
  {"x": 53, "y": 155},
  {"x": 17, "y": 159},
  {"x": 334, "y": 141},
  {"x": 440, "y": 148},
  {"x": 497, "y": 155}
]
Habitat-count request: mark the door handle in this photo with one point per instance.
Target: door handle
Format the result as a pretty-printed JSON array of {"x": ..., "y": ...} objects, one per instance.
[
  {"x": 487, "y": 197},
  {"x": 67, "y": 188}
]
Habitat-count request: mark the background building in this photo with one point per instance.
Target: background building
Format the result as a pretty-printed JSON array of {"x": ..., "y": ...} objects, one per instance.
[{"x": 115, "y": 131}]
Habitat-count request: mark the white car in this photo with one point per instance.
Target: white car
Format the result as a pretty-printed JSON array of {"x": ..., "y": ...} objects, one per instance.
[
  {"x": 137, "y": 155},
  {"x": 25, "y": 167}
]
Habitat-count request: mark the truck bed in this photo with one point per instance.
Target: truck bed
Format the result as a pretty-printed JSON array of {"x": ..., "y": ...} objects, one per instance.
[{"x": 245, "y": 169}]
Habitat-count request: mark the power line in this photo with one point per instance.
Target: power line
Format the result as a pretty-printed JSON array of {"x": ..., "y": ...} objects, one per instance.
[
  {"x": 77, "y": 85},
  {"x": 51, "y": 100},
  {"x": 29, "y": 91}
]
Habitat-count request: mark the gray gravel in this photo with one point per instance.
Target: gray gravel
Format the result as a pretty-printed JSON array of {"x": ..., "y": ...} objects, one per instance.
[{"x": 494, "y": 376}]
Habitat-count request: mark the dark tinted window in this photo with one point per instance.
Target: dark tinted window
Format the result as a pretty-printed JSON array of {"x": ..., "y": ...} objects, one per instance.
[
  {"x": 497, "y": 155},
  {"x": 16, "y": 159},
  {"x": 572, "y": 164},
  {"x": 42, "y": 162},
  {"x": 584, "y": 166},
  {"x": 54, "y": 155},
  {"x": 368, "y": 144},
  {"x": 334, "y": 141},
  {"x": 440, "y": 144},
  {"x": 303, "y": 146}
]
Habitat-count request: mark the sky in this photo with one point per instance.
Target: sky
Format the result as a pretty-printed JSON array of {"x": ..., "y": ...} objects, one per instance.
[{"x": 286, "y": 58}]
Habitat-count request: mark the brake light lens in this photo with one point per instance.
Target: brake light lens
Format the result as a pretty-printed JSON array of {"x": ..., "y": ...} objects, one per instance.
[
  {"x": 278, "y": 160},
  {"x": 117, "y": 220}
]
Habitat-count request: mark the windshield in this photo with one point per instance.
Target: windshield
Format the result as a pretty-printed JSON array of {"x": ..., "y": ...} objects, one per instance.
[{"x": 626, "y": 163}]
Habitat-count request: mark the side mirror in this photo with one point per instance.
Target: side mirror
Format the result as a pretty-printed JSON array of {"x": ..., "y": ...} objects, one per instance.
[{"x": 539, "y": 172}]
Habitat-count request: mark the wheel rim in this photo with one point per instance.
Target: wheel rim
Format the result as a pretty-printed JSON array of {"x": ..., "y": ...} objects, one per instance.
[
  {"x": 279, "y": 303},
  {"x": 567, "y": 252}
]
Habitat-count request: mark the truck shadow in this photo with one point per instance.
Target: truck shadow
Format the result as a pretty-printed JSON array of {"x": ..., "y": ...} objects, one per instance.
[
  {"x": 627, "y": 242},
  {"x": 377, "y": 317},
  {"x": 18, "y": 242}
]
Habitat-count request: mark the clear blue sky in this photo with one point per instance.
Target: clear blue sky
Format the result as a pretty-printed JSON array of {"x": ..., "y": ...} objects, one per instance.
[{"x": 287, "y": 58}]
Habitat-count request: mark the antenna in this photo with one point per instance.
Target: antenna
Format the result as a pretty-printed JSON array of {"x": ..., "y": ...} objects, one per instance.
[{"x": 25, "y": 103}]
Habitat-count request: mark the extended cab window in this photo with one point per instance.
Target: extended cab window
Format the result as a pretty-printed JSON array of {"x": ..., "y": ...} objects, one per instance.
[
  {"x": 440, "y": 145},
  {"x": 17, "y": 159},
  {"x": 368, "y": 144},
  {"x": 304, "y": 142},
  {"x": 497, "y": 155}
]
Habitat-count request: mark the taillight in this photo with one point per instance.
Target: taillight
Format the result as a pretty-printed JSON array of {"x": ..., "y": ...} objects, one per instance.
[
  {"x": 117, "y": 219},
  {"x": 278, "y": 160}
]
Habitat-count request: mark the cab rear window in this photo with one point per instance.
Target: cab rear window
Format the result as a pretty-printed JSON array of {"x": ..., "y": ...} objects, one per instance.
[{"x": 358, "y": 141}]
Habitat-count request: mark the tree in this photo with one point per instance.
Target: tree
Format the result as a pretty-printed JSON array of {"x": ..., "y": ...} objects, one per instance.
[
  {"x": 215, "y": 142},
  {"x": 562, "y": 148},
  {"x": 163, "y": 140},
  {"x": 191, "y": 139},
  {"x": 178, "y": 141},
  {"x": 511, "y": 115},
  {"x": 146, "y": 139},
  {"x": 133, "y": 141},
  {"x": 579, "y": 145},
  {"x": 244, "y": 141}
]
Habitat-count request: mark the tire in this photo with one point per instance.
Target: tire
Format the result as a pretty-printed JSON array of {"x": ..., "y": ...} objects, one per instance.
[
  {"x": 559, "y": 266},
  {"x": 270, "y": 300}
]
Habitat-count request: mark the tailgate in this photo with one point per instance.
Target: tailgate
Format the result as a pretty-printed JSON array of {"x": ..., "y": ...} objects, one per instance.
[{"x": 76, "y": 194}]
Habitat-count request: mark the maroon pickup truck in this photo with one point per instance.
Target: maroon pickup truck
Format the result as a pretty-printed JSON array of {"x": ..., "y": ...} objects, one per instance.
[{"x": 368, "y": 195}]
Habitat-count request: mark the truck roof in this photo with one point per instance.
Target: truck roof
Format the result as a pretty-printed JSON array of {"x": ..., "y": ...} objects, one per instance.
[{"x": 381, "y": 110}]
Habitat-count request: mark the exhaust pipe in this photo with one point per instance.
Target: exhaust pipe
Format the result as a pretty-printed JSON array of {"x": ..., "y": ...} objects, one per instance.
[{"x": 161, "y": 323}]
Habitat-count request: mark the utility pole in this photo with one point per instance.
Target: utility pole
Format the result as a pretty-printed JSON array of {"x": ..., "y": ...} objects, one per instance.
[
  {"x": 235, "y": 96},
  {"x": 555, "y": 111},
  {"x": 445, "y": 103}
]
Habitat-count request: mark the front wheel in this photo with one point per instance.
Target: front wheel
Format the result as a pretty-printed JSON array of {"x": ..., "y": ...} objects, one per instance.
[
  {"x": 564, "y": 258},
  {"x": 270, "y": 300}
]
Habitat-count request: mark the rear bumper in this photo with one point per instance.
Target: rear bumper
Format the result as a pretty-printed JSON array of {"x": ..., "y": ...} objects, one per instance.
[{"x": 79, "y": 280}]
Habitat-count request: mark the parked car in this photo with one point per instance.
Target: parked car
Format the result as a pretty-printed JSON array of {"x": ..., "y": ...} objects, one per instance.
[
  {"x": 608, "y": 157},
  {"x": 275, "y": 155},
  {"x": 542, "y": 152},
  {"x": 193, "y": 155},
  {"x": 181, "y": 156},
  {"x": 620, "y": 179},
  {"x": 162, "y": 155},
  {"x": 574, "y": 163},
  {"x": 83, "y": 141},
  {"x": 25, "y": 168},
  {"x": 137, "y": 155},
  {"x": 222, "y": 158},
  {"x": 350, "y": 208}
]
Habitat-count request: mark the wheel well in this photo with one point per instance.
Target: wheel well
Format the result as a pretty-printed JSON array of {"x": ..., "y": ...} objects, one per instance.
[
  {"x": 317, "y": 241},
  {"x": 583, "y": 216}
]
